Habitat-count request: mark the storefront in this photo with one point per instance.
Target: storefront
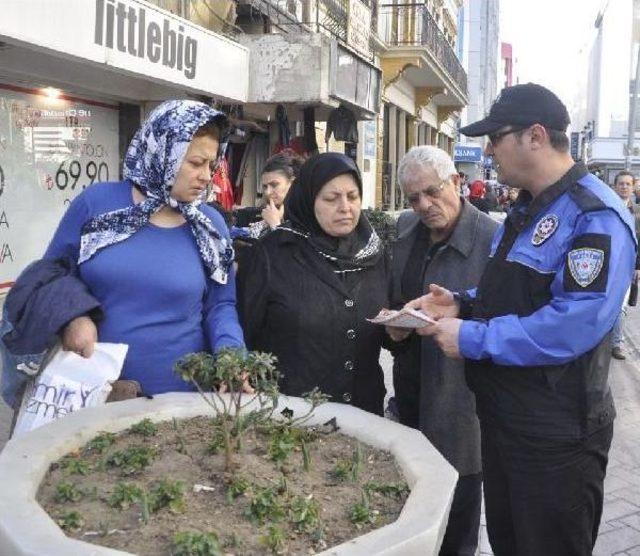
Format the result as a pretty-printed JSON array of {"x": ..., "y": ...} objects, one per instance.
[{"x": 76, "y": 78}]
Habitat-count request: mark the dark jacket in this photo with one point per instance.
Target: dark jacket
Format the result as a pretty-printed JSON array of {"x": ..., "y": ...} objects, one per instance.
[
  {"x": 293, "y": 305},
  {"x": 46, "y": 297},
  {"x": 446, "y": 405}
]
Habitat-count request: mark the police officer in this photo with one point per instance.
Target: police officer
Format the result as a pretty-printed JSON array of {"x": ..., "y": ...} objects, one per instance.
[{"x": 536, "y": 332}]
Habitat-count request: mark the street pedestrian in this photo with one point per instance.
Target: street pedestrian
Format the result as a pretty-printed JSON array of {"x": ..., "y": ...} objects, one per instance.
[
  {"x": 311, "y": 283},
  {"x": 623, "y": 186},
  {"x": 156, "y": 258},
  {"x": 444, "y": 239},
  {"x": 536, "y": 333}
]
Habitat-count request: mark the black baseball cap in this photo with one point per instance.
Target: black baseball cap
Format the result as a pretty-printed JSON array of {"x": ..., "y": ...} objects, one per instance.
[{"x": 522, "y": 105}]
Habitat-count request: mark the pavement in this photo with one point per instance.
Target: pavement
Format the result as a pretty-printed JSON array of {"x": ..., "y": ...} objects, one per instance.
[{"x": 620, "y": 527}]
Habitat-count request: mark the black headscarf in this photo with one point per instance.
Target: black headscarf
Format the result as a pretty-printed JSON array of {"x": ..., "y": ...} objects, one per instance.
[{"x": 362, "y": 247}]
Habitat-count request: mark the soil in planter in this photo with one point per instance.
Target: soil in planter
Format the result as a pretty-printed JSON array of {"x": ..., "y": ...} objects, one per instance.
[{"x": 80, "y": 490}]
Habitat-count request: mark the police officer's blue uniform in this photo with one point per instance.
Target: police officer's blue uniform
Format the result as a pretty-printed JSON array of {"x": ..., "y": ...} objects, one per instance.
[{"x": 537, "y": 344}]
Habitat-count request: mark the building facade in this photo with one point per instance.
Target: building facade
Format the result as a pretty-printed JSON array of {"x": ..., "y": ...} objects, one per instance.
[
  {"x": 480, "y": 20},
  {"x": 601, "y": 130}
]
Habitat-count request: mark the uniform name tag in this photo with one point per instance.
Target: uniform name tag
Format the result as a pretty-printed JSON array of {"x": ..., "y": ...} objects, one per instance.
[{"x": 585, "y": 265}]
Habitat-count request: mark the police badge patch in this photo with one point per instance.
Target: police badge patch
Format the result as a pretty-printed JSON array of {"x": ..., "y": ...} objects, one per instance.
[
  {"x": 585, "y": 265},
  {"x": 544, "y": 229}
]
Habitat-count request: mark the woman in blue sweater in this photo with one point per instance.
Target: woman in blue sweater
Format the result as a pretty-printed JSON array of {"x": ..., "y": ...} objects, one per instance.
[{"x": 157, "y": 259}]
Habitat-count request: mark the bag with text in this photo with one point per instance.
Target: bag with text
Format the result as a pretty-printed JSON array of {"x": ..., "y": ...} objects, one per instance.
[{"x": 68, "y": 383}]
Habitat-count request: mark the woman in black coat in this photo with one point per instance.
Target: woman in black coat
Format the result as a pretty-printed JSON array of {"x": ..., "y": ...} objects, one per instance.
[{"x": 311, "y": 284}]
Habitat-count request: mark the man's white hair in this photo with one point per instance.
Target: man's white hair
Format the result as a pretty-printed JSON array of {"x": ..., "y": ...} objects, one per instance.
[{"x": 426, "y": 156}]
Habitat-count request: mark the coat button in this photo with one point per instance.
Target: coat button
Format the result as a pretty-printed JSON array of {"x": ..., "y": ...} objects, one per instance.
[
  {"x": 349, "y": 303},
  {"x": 348, "y": 365},
  {"x": 351, "y": 334},
  {"x": 346, "y": 397}
]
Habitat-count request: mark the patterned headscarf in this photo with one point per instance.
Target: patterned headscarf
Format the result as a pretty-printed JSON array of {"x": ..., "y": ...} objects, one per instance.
[{"x": 152, "y": 162}]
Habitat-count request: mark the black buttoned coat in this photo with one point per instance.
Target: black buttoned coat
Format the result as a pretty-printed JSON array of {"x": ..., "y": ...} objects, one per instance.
[
  {"x": 446, "y": 405},
  {"x": 293, "y": 305}
]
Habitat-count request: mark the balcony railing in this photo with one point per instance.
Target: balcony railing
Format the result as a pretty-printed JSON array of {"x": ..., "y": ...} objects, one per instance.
[{"x": 413, "y": 25}]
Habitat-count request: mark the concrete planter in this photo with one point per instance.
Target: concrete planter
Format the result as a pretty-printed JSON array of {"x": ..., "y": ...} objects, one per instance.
[{"x": 27, "y": 530}]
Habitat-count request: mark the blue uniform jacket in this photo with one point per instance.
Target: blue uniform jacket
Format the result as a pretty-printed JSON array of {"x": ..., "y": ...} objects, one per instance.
[{"x": 588, "y": 280}]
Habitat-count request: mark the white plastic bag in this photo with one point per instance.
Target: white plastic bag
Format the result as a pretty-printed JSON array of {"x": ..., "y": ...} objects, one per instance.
[{"x": 68, "y": 383}]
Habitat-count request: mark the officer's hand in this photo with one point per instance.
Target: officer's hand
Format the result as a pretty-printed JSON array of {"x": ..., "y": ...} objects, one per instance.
[
  {"x": 80, "y": 336},
  {"x": 446, "y": 333},
  {"x": 438, "y": 303},
  {"x": 397, "y": 334}
]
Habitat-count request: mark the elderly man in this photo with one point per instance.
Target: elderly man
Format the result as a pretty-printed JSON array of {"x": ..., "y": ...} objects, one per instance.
[
  {"x": 536, "y": 333},
  {"x": 444, "y": 239},
  {"x": 623, "y": 186}
]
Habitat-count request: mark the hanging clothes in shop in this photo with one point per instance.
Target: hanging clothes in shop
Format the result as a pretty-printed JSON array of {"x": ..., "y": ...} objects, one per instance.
[
  {"x": 311, "y": 144},
  {"x": 342, "y": 123},
  {"x": 284, "y": 131},
  {"x": 223, "y": 182}
]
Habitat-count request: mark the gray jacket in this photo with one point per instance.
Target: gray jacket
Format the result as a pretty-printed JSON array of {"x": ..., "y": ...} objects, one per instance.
[{"x": 447, "y": 406}]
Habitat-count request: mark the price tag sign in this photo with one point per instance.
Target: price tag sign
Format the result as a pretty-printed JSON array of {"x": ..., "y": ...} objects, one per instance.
[{"x": 50, "y": 150}]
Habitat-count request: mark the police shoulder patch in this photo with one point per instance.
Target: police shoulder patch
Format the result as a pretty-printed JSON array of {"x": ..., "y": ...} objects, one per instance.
[
  {"x": 544, "y": 229},
  {"x": 587, "y": 263}
]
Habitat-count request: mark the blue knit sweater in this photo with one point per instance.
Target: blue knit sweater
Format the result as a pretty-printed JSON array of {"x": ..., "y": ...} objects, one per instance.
[{"x": 153, "y": 288}]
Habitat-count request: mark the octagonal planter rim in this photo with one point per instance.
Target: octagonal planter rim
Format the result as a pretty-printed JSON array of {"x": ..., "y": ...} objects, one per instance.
[{"x": 27, "y": 530}]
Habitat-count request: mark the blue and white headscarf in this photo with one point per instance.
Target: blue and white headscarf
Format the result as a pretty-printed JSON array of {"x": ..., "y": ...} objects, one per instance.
[{"x": 152, "y": 162}]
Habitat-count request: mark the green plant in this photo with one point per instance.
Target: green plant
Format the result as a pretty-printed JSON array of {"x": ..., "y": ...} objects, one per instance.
[
  {"x": 234, "y": 369},
  {"x": 283, "y": 441},
  {"x": 274, "y": 540},
  {"x": 188, "y": 543},
  {"x": 70, "y": 521},
  {"x": 306, "y": 456},
  {"x": 397, "y": 490},
  {"x": 237, "y": 487},
  {"x": 131, "y": 459},
  {"x": 67, "y": 492},
  {"x": 216, "y": 444},
  {"x": 349, "y": 469},
  {"x": 73, "y": 465},
  {"x": 100, "y": 443},
  {"x": 361, "y": 513},
  {"x": 383, "y": 224},
  {"x": 304, "y": 512},
  {"x": 265, "y": 505},
  {"x": 167, "y": 494},
  {"x": 145, "y": 428},
  {"x": 182, "y": 446},
  {"x": 124, "y": 495}
]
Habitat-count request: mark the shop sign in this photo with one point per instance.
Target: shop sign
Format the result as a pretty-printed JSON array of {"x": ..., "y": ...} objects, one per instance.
[
  {"x": 463, "y": 153},
  {"x": 359, "y": 28},
  {"x": 133, "y": 36},
  {"x": 50, "y": 150}
]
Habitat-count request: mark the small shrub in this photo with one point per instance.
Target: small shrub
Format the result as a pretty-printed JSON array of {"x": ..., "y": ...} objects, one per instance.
[
  {"x": 274, "y": 540},
  {"x": 100, "y": 443},
  {"x": 145, "y": 428},
  {"x": 237, "y": 487},
  {"x": 265, "y": 505},
  {"x": 216, "y": 443},
  {"x": 73, "y": 465},
  {"x": 132, "y": 459},
  {"x": 187, "y": 543},
  {"x": 304, "y": 513},
  {"x": 70, "y": 521},
  {"x": 124, "y": 495},
  {"x": 167, "y": 494},
  {"x": 67, "y": 492},
  {"x": 342, "y": 470}
]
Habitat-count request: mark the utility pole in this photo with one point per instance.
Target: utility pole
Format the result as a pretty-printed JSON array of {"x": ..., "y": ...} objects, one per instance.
[{"x": 631, "y": 131}]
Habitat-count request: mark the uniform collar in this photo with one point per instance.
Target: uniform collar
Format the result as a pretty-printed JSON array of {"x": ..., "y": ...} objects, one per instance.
[{"x": 525, "y": 210}]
